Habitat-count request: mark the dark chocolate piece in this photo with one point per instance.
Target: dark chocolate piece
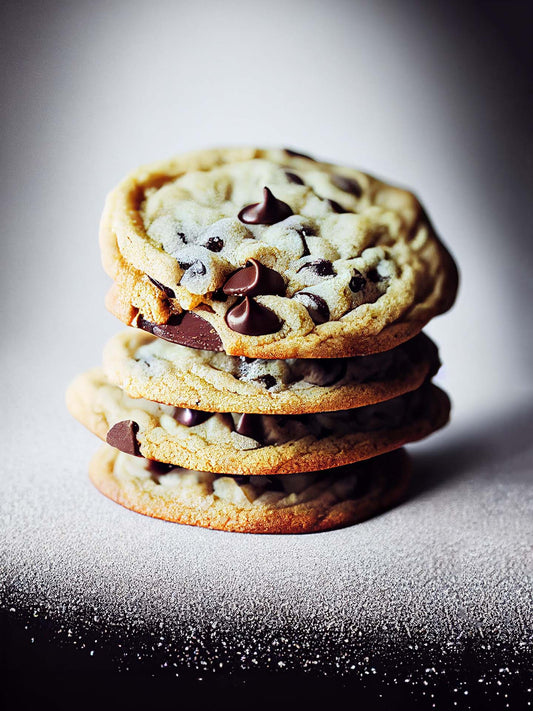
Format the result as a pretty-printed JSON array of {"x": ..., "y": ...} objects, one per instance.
[
  {"x": 374, "y": 276},
  {"x": 191, "y": 418},
  {"x": 303, "y": 233},
  {"x": 214, "y": 244},
  {"x": 254, "y": 279},
  {"x": 267, "y": 212},
  {"x": 336, "y": 207},
  {"x": 187, "y": 329},
  {"x": 252, "y": 319},
  {"x": 293, "y": 178},
  {"x": 251, "y": 426},
  {"x": 321, "y": 267},
  {"x": 295, "y": 154},
  {"x": 123, "y": 437},
  {"x": 269, "y": 381},
  {"x": 357, "y": 282},
  {"x": 219, "y": 295},
  {"x": 159, "y": 468},
  {"x": 168, "y": 291},
  {"x": 349, "y": 185},
  {"x": 316, "y": 305}
]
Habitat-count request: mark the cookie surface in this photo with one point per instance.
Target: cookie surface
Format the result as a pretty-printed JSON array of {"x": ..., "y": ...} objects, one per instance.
[
  {"x": 252, "y": 444},
  {"x": 281, "y": 255},
  {"x": 303, "y": 503},
  {"x": 152, "y": 368}
]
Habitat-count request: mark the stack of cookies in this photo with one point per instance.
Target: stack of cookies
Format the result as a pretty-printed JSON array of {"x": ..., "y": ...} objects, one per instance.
[{"x": 276, "y": 363}]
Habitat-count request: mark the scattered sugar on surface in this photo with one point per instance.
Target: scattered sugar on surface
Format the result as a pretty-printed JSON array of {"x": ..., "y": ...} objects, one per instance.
[{"x": 445, "y": 572}]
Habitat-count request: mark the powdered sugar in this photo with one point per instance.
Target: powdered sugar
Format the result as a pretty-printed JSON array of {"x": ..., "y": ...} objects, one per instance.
[{"x": 449, "y": 565}]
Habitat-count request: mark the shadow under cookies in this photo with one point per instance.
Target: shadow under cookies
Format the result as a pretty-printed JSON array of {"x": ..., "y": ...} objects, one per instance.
[{"x": 485, "y": 448}]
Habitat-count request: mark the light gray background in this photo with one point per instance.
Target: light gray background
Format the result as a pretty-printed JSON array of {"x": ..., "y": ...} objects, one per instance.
[{"x": 431, "y": 96}]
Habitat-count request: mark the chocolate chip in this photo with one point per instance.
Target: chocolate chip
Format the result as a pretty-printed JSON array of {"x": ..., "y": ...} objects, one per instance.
[
  {"x": 267, "y": 212},
  {"x": 141, "y": 322},
  {"x": 187, "y": 329},
  {"x": 123, "y": 436},
  {"x": 191, "y": 418},
  {"x": 167, "y": 290},
  {"x": 357, "y": 282},
  {"x": 159, "y": 467},
  {"x": 219, "y": 295},
  {"x": 214, "y": 244},
  {"x": 316, "y": 306},
  {"x": 321, "y": 267},
  {"x": 251, "y": 426},
  {"x": 254, "y": 279},
  {"x": 252, "y": 319},
  {"x": 349, "y": 185},
  {"x": 336, "y": 207},
  {"x": 374, "y": 276},
  {"x": 303, "y": 233},
  {"x": 325, "y": 371},
  {"x": 293, "y": 178},
  {"x": 295, "y": 154},
  {"x": 269, "y": 381}
]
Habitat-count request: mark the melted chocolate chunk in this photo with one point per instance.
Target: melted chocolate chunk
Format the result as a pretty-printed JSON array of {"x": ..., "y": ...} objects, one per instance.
[
  {"x": 187, "y": 329},
  {"x": 159, "y": 468},
  {"x": 325, "y": 371},
  {"x": 349, "y": 185},
  {"x": 295, "y": 154},
  {"x": 316, "y": 306},
  {"x": 269, "y": 381},
  {"x": 254, "y": 279},
  {"x": 374, "y": 276},
  {"x": 191, "y": 418},
  {"x": 252, "y": 319},
  {"x": 219, "y": 295},
  {"x": 321, "y": 267},
  {"x": 293, "y": 178},
  {"x": 357, "y": 282},
  {"x": 214, "y": 244},
  {"x": 267, "y": 212},
  {"x": 167, "y": 290},
  {"x": 336, "y": 207},
  {"x": 251, "y": 426},
  {"x": 123, "y": 437}
]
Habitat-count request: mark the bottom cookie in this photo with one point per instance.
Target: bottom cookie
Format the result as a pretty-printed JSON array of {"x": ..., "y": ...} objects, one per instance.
[{"x": 299, "y": 503}]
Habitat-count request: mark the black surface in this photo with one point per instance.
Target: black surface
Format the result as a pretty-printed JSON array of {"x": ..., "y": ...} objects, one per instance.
[{"x": 40, "y": 672}]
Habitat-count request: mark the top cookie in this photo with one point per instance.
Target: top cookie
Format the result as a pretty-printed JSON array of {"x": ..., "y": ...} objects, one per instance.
[{"x": 281, "y": 255}]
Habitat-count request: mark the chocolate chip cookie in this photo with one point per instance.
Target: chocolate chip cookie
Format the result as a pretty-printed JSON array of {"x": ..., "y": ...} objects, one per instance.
[
  {"x": 252, "y": 444},
  {"x": 267, "y": 254},
  {"x": 155, "y": 369},
  {"x": 302, "y": 503}
]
